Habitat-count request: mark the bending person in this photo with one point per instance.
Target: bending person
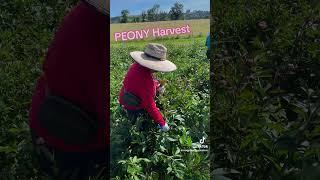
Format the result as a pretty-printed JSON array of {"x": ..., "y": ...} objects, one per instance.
[{"x": 140, "y": 87}]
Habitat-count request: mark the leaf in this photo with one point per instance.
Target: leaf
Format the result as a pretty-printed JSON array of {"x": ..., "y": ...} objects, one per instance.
[
  {"x": 145, "y": 160},
  {"x": 178, "y": 117},
  {"x": 7, "y": 149},
  {"x": 182, "y": 165},
  {"x": 274, "y": 163},
  {"x": 301, "y": 105},
  {"x": 222, "y": 171},
  {"x": 171, "y": 139},
  {"x": 132, "y": 169},
  {"x": 177, "y": 151},
  {"x": 134, "y": 160},
  {"x": 219, "y": 177},
  {"x": 286, "y": 143},
  {"x": 122, "y": 162},
  {"x": 189, "y": 141},
  {"x": 135, "y": 177},
  {"x": 162, "y": 148},
  {"x": 169, "y": 169},
  {"x": 247, "y": 140}
]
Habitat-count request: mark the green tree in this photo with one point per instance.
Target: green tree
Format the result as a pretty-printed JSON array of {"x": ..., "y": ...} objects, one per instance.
[
  {"x": 176, "y": 11},
  {"x": 163, "y": 15},
  {"x": 153, "y": 13},
  {"x": 156, "y": 10},
  {"x": 136, "y": 19},
  {"x": 187, "y": 14},
  {"x": 143, "y": 16},
  {"x": 265, "y": 89},
  {"x": 124, "y": 16}
]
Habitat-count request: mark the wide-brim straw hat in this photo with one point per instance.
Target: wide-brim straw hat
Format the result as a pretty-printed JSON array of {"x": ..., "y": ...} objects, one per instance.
[
  {"x": 154, "y": 57},
  {"x": 102, "y": 6}
]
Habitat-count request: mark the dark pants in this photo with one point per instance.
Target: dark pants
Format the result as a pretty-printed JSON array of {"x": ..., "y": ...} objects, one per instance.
[
  {"x": 134, "y": 114},
  {"x": 71, "y": 165},
  {"x": 144, "y": 124},
  {"x": 208, "y": 54}
]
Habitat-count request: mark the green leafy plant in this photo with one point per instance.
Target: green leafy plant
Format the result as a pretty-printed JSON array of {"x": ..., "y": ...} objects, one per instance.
[
  {"x": 184, "y": 106},
  {"x": 265, "y": 89}
]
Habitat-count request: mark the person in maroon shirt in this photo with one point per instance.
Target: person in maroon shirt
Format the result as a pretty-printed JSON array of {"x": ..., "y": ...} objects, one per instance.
[
  {"x": 140, "y": 87},
  {"x": 74, "y": 79}
]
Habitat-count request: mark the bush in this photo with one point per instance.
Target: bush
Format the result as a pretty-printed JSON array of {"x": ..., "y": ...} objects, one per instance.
[
  {"x": 140, "y": 150},
  {"x": 24, "y": 37},
  {"x": 265, "y": 96}
]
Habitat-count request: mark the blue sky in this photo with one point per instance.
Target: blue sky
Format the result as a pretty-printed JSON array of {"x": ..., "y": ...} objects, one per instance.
[{"x": 136, "y": 6}]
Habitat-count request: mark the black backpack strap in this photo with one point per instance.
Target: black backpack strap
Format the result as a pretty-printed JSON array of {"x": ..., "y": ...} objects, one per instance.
[
  {"x": 67, "y": 121},
  {"x": 130, "y": 99}
]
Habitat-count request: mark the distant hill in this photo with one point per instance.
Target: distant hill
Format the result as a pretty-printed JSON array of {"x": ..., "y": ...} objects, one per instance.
[
  {"x": 115, "y": 19},
  {"x": 196, "y": 14},
  {"x": 118, "y": 18}
]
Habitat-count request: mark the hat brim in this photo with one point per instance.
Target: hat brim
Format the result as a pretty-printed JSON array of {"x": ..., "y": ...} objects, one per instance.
[
  {"x": 100, "y": 6},
  {"x": 153, "y": 63}
]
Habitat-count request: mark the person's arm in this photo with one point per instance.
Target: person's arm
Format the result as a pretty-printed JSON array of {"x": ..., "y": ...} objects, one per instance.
[
  {"x": 152, "y": 109},
  {"x": 208, "y": 41},
  {"x": 148, "y": 103},
  {"x": 156, "y": 84}
]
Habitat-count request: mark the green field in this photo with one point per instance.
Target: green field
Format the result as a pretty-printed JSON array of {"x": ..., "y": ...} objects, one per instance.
[
  {"x": 25, "y": 36},
  {"x": 185, "y": 106},
  {"x": 265, "y": 104},
  {"x": 198, "y": 27}
]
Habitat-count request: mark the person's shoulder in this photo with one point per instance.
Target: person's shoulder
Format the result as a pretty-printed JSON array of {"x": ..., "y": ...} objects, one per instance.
[
  {"x": 84, "y": 10},
  {"x": 143, "y": 73},
  {"x": 136, "y": 66},
  {"x": 83, "y": 21}
]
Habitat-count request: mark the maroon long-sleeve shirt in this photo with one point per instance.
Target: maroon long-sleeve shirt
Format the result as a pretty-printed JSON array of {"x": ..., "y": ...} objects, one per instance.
[
  {"x": 77, "y": 68},
  {"x": 140, "y": 82}
]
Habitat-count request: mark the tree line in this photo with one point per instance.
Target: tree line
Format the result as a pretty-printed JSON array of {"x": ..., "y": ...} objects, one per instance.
[{"x": 176, "y": 12}]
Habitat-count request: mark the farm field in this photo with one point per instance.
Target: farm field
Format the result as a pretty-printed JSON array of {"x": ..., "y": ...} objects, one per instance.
[
  {"x": 198, "y": 27},
  {"x": 148, "y": 153},
  {"x": 24, "y": 38},
  {"x": 265, "y": 105}
]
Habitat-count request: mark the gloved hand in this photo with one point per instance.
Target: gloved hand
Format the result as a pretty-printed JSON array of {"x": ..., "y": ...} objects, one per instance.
[
  {"x": 161, "y": 89},
  {"x": 164, "y": 128},
  {"x": 160, "y": 86}
]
